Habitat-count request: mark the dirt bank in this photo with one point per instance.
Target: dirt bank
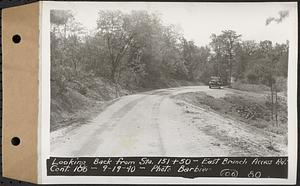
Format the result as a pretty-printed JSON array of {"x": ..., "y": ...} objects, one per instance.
[{"x": 248, "y": 108}]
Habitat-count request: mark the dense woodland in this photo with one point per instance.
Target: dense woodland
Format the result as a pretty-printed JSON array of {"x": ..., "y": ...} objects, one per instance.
[{"x": 137, "y": 51}]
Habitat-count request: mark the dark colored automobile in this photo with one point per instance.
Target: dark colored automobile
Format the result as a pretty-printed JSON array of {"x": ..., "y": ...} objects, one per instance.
[{"x": 215, "y": 82}]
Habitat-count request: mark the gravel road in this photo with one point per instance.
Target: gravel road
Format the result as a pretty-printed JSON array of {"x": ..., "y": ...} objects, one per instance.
[{"x": 153, "y": 124}]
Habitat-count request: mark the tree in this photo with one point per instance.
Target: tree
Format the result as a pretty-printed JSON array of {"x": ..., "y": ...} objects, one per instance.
[
  {"x": 282, "y": 15},
  {"x": 194, "y": 58},
  {"x": 245, "y": 53},
  {"x": 230, "y": 40},
  {"x": 218, "y": 56},
  {"x": 60, "y": 18},
  {"x": 112, "y": 26},
  {"x": 268, "y": 67},
  {"x": 224, "y": 47}
]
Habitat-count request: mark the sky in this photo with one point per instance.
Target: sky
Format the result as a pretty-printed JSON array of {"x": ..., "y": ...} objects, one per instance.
[{"x": 199, "y": 20}]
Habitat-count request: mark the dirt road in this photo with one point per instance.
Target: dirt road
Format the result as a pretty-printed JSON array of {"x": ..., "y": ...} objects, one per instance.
[{"x": 154, "y": 124}]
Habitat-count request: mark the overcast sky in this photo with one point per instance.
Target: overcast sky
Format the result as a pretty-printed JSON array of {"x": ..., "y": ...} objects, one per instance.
[{"x": 199, "y": 20}]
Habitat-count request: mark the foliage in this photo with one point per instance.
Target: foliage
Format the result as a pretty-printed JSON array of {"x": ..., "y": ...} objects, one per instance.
[
  {"x": 136, "y": 50},
  {"x": 282, "y": 15}
]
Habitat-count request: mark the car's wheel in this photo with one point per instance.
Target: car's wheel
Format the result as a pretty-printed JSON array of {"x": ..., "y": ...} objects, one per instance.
[{"x": 209, "y": 86}]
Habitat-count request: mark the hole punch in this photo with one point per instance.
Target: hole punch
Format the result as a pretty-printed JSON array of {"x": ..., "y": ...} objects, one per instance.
[
  {"x": 15, "y": 141},
  {"x": 16, "y": 38}
]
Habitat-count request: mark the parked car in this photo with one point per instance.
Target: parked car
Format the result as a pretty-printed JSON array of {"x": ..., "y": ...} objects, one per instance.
[{"x": 215, "y": 82}]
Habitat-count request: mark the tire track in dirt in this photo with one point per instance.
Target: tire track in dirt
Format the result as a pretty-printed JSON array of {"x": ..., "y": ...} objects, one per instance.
[
  {"x": 87, "y": 147},
  {"x": 155, "y": 123}
]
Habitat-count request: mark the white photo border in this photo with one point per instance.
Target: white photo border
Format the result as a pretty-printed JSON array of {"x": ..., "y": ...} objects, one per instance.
[{"x": 44, "y": 114}]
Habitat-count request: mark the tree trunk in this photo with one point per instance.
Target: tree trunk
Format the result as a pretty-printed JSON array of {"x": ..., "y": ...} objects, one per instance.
[
  {"x": 113, "y": 78},
  {"x": 276, "y": 103},
  {"x": 230, "y": 73},
  {"x": 230, "y": 68},
  {"x": 219, "y": 65},
  {"x": 65, "y": 31},
  {"x": 272, "y": 103},
  {"x": 112, "y": 73}
]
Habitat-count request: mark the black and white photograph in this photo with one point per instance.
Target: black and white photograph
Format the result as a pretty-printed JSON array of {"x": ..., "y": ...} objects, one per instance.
[{"x": 170, "y": 79}]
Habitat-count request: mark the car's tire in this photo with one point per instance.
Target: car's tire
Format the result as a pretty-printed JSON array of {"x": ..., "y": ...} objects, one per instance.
[{"x": 209, "y": 86}]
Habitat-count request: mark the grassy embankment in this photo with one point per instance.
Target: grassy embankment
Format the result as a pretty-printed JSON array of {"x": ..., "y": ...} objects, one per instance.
[
  {"x": 250, "y": 107},
  {"x": 78, "y": 101}
]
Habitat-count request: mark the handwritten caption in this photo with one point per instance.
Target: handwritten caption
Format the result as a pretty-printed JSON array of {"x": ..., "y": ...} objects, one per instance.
[{"x": 250, "y": 167}]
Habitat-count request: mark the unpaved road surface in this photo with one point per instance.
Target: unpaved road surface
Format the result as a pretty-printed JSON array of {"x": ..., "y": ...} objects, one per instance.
[{"x": 154, "y": 124}]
